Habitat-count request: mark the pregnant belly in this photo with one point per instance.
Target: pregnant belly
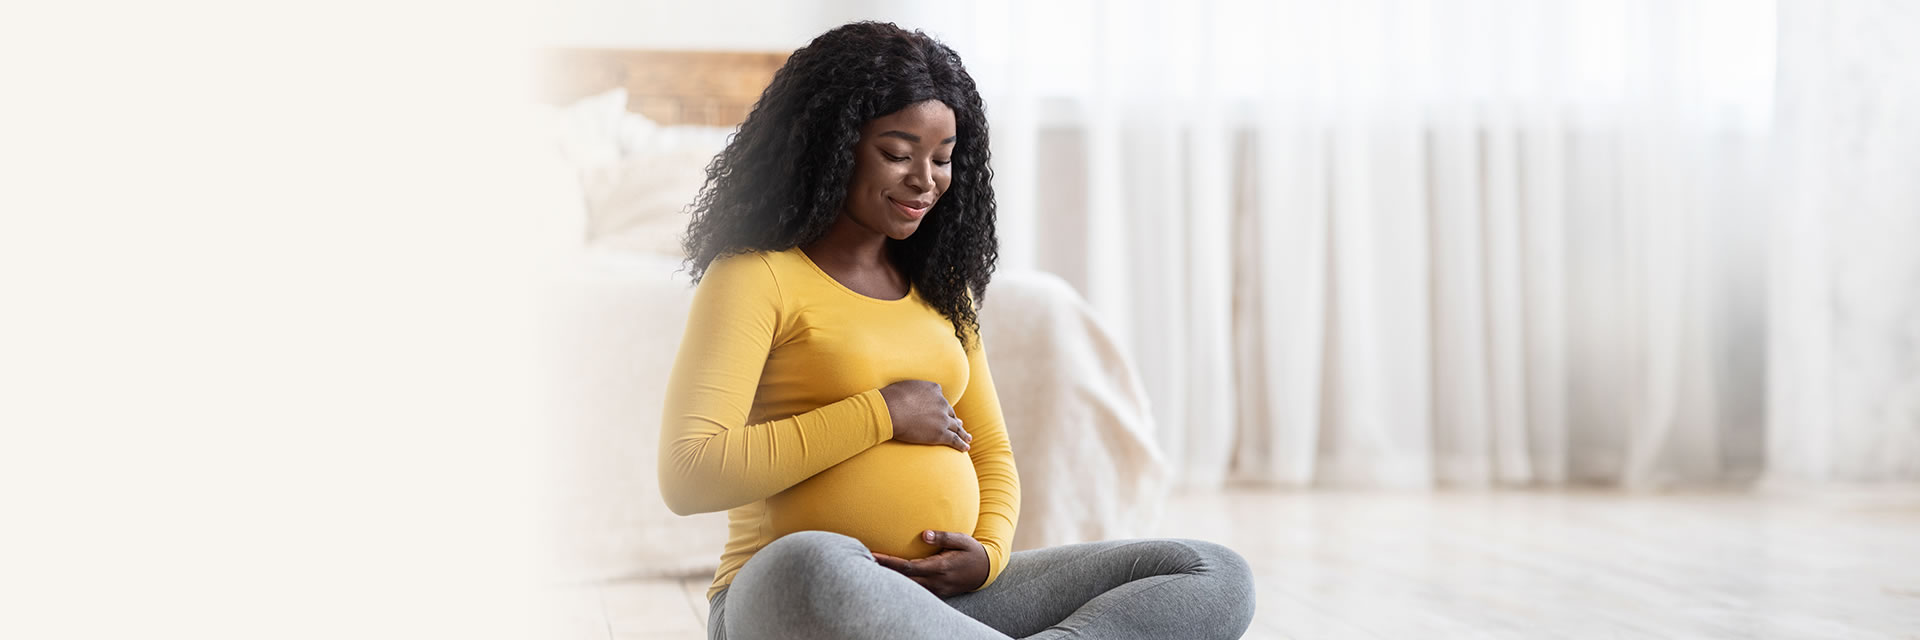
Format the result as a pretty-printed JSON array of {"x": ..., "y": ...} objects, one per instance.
[{"x": 885, "y": 497}]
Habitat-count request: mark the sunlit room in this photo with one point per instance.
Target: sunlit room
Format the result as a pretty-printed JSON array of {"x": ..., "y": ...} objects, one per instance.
[
  {"x": 740, "y": 319},
  {"x": 1453, "y": 319}
]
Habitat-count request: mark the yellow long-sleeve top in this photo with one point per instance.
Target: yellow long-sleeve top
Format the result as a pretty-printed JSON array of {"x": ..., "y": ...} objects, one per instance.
[{"x": 774, "y": 414}]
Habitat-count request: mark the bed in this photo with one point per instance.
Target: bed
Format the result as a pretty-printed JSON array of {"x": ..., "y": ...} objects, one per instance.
[{"x": 629, "y": 134}]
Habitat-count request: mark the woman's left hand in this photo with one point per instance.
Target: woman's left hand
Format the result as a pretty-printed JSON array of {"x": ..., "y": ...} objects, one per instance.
[{"x": 960, "y": 566}]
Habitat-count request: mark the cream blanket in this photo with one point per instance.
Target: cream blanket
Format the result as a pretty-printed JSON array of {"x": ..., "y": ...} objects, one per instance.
[{"x": 1082, "y": 432}]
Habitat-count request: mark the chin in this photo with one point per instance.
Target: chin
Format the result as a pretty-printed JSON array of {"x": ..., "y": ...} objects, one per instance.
[{"x": 904, "y": 232}]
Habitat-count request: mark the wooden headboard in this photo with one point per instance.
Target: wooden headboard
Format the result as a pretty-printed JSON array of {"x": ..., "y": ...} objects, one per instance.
[{"x": 712, "y": 88}]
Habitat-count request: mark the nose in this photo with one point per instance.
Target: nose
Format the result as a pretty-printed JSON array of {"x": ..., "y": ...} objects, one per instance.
[{"x": 920, "y": 177}]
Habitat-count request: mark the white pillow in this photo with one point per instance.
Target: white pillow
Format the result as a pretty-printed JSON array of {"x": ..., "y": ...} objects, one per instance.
[
  {"x": 636, "y": 177},
  {"x": 640, "y": 204},
  {"x": 598, "y": 130}
]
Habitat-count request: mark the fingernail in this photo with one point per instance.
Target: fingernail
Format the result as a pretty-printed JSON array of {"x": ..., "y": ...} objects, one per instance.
[{"x": 928, "y": 535}]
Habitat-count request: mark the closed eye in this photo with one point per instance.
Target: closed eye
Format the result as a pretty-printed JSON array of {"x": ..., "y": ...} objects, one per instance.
[{"x": 893, "y": 158}]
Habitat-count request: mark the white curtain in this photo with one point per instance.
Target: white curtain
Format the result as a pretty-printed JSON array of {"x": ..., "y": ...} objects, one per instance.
[
  {"x": 1408, "y": 243},
  {"x": 1844, "y": 394}
]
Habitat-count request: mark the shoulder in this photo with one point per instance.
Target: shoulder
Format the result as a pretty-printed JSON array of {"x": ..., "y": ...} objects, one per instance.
[
  {"x": 777, "y": 264},
  {"x": 784, "y": 263},
  {"x": 741, "y": 274},
  {"x": 781, "y": 274},
  {"x": 739, "y": 268}
]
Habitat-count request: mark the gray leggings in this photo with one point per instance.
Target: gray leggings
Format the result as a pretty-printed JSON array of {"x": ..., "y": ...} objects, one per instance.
[{"x": 815, "y": 584}]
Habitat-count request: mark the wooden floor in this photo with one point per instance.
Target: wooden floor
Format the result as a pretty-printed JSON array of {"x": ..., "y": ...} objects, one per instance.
[{"x": 1501, "y": 565}]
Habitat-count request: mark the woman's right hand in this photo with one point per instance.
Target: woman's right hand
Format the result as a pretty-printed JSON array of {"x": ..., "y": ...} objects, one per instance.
[{"x": 922, "y": 416}]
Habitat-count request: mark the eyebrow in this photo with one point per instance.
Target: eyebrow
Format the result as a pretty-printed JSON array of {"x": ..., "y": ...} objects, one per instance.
[{"x": 913, "y": 138}]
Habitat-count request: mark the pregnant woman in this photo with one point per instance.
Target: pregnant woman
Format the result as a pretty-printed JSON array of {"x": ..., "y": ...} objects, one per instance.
[{"x": 832, "y": 394}]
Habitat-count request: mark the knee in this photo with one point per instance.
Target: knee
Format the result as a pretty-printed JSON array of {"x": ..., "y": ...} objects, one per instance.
[
  {"x": 1230, "y": 571},
  {"x": 809, "y": 560},
  {"x": 797, "y": 586},
  {"x": 1217, "y": 559},
  {"x": 802, "y": 554}
]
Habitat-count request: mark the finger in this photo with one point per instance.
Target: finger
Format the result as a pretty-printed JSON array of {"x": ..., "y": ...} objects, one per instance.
[
  {"x": 936, "y": 538},
  {"x": 903, "y": 567},
  {"x": 891, "y": 562},
  {"x": 949, "y": 540},
  {"x": 911, "y": 568},
  {"x": 957, "y": 437},
  {"x": 960, "y": 428}
]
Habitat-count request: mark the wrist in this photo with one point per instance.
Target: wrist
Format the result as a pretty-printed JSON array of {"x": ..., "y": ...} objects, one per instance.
[{"x": 883, "y": 416}]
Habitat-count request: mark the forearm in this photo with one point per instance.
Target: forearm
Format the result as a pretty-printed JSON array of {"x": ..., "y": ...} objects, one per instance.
[
  {"x": 999, "y": 498},
  {"x": 706, "y": 466}
]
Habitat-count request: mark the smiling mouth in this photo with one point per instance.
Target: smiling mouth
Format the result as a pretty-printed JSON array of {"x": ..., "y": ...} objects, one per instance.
[{"x": 910, "y": 211}]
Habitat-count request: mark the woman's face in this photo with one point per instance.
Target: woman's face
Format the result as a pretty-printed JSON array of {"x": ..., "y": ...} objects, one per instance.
[{"x": 901, "y": 166}]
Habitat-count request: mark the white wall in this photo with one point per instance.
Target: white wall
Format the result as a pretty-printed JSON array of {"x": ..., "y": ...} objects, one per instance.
[{"x": 732, "y": 25}]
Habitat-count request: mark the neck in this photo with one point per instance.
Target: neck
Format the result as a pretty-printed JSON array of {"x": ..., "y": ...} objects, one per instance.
[{"x": 848, "y": 243}]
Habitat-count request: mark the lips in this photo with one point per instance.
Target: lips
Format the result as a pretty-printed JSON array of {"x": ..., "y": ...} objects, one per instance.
[{"x": 913, "y": 210}]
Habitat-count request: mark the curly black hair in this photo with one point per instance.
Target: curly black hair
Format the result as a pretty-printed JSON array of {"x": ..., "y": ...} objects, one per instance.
[{"x": 783, "y": 176}]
